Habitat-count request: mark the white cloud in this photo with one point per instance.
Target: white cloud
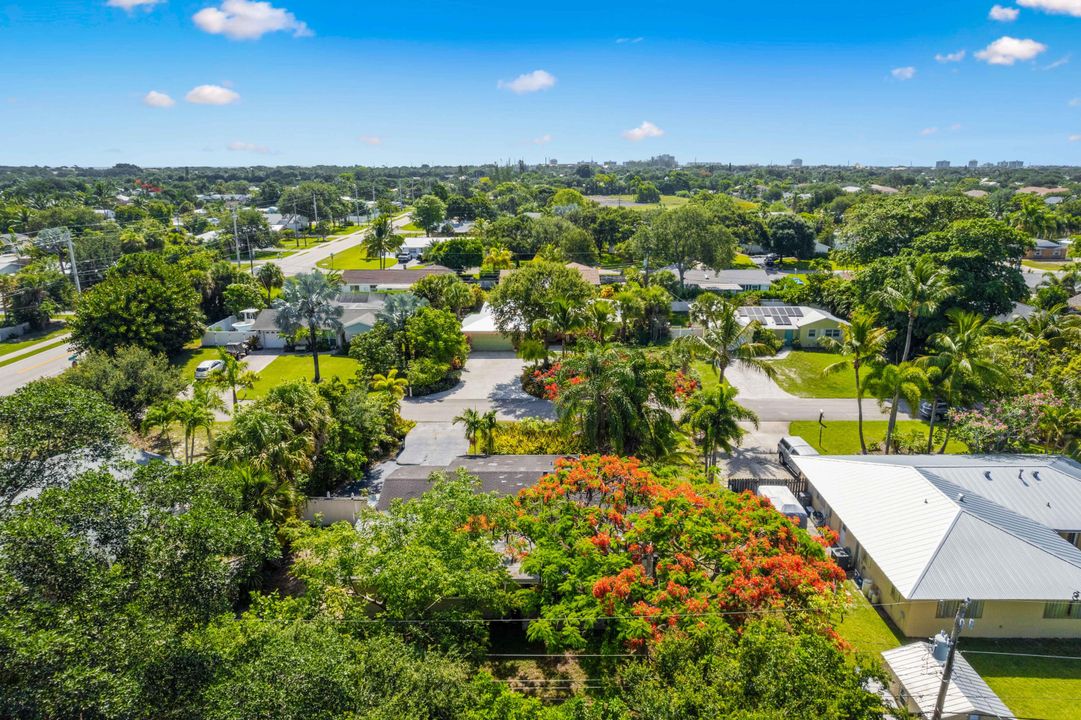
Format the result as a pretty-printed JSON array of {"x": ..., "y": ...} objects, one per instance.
[
  {"x": 237, "y": 146},
  {"x": 1058, "y": 7},
  {"x": 950, "y": 57},
  {"x": 631, "y": 40},
  {"x": 529, "y": 82},
  {"x": 1075, "y": 138},
  {"x": 542, "y": 140},
  {"x": 212, "y": 95},
  {"x": 157, "y": 99},
  {"x": 903, "y": 73},
  {"x": 1004, "y": 14},
  {"x": 1064, "y": 60},
  {"x": 248, "y": 20},
  {"x": 1008, "y": 50},
  {"x": 928, "y": 131},
  {"x": 643, "y": 131},
  {"x": 130, "y": 5},
  {"x": 371, "y": 139}
]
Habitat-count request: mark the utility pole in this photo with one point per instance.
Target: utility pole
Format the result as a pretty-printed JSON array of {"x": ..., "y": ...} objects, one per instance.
[
  {"x": 236, "y": 238},
  {"x": 74, "y": 266},
  {"x": 947, "y": 669}
]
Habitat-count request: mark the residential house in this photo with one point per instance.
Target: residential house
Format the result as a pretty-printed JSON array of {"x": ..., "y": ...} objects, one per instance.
[
  {"x": 482, "y": 334},
  {"x": 359, "y": 282},
  {"x": 590, "y": 274},
  {"x": 357, "y": 318},
  {"x": 915, "y": 674},
  {"x": 1046, "y": 250},
  {"x": 279, "y": 222},
  {"x": 502, "y": 474},
  {"x": 727, "y": 281},
  {"x": 794, "y": 325},
  {"x": 926, "y": 531}
]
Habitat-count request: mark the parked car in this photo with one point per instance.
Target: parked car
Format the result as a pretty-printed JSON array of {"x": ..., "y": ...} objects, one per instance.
[
  {"x": 772, "y": 259},
  {"x": 793, "y": 445},
  {"x": 207, "y": 368},
  {"x": 940, "y": 409},
  {"x": 237, "y": 349}
]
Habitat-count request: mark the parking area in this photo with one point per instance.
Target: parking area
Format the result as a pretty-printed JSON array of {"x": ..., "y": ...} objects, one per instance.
[{"x": 490, "y": 381}]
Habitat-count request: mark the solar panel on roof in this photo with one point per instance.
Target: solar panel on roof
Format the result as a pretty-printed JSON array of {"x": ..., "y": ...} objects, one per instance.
[
  {"x": 782, "y": 321},
  {"x": 798, "y": 311}
]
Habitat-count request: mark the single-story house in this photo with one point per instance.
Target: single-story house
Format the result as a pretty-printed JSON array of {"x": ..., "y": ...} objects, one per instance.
[
  {"x": 915, "y": 673},
  {"x": 926, "y": 531},
  {"x": 728, "y": 281},
  {"x": 1019, "y": 311},
  {"x": 1046, "y": 250},
  {"x": 357, "y": 282},
  {"x": 356, "y": 319},
  {"x": 503, "y": 474},
  {"x": 279, "y": 222},
  {"x": 483, "y": 335},
  {"x": 415, "y": 245},
  {"x": 801, "y": 325},
  {"x": 976, "y": 193},
  {"x": 590, "y": 274},
  {"x": 208, "y": 237}
]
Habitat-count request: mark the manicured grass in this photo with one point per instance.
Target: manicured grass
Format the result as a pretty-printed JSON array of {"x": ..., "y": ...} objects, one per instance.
[
  {"x": 841, "y": 437},
  {"x": 24, "y": 341},
  {"x": 1032, "y": 687},
  {"x": 705, "y": 374},
  {"x": 40, "y": 350},
  {"x": 864, "y": 627},
  {"x": 347, "y": 230},
  {"x": 1045, "y": 265},
  {"x": 191, "y": 357},
  {"x": 800, "y": 373},
  {"x": 743, "y": 261},
  {"x": 666, "y": 201},
  {"x": 294, "y": 367},
  {"x": 354, "y": 258}
]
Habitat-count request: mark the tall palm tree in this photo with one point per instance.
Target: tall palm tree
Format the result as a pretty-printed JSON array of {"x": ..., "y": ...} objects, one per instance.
[
  {"x": 967, "y": 371},
  {"x": 563, "y": 320},
  {"x": 892, "y": 382},
  {"x": 473, "y": 421},
  {"x": 307, "y": 300},
  {"x": 233, "y": 374},
  {"x": 270, "y": 276},
  {"x": 862, "y": 344},
  {"x": 391, "y": 383},
  {"x": 714, "y": 416},
  {"x": 161, "y": 416},
  {"x": 725, "y": 341},
  {"x": 488, "y": 425},
  {"x": 631, "y": 308},
  {"x": 267, "y": 496},
  {"x": 921, "y": 288},
  {"x": 195, "y": 413},
  {"x": 598, "y": 318},
  {"x": 381, "y": 240}
]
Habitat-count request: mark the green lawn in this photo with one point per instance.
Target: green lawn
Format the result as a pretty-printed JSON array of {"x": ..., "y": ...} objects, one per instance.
[
  {"x": 841, "y": 437},
  {"x": 293, "y": 367},
  {"x": 24, "y": 341},
  {"x": 743, "y": 261},
  {"x": 191, "y": 357},
  {"x": 40, "y": 350},
  {"x": 353, "y": 258},
  {"x": 800, "y": 373},
  {"x": 347, "y": 230},
  {"x": 1032, "y": 687},
  {"x": 1045, "y": 265},
  {"x": 666, "y": 201},
  {"x": 705, "y": 374},
  {"x": 864, "y": 627}
]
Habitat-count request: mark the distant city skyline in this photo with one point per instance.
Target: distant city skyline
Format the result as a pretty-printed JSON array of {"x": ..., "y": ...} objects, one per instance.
[{"x": 240, "y": 82}]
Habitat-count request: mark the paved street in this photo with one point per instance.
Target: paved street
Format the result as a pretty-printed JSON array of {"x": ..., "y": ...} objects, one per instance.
[
  {"x": 305, "y": 260},
  {"x": 42, "y": 365}
]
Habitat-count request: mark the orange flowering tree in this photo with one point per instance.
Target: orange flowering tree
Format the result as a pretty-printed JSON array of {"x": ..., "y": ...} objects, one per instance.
[{"x": 621, "y": 551}]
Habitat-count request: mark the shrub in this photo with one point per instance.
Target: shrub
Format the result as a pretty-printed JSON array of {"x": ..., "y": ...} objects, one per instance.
[
  {"x": 531, "y": 437},
  {"x": 427, "y": 376}
]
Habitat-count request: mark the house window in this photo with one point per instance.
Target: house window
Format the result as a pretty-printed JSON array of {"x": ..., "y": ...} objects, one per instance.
[
  {"x": 834, "y": 333},
  {"x": 1062, "y": 609},
  {"x": 811, "y": 332},
  {"x": 948, "y": 609}
]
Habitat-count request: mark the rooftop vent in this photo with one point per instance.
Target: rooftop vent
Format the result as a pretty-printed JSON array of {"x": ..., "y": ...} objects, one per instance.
[
  {"x": 987, "y": 474},
  {"x": 1021, "y": 477},
  {"x": 960, "y": 497},
  {"x": 1036, "y": 475}
]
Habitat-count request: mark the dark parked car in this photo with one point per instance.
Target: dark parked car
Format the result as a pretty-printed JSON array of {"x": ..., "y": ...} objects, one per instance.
[{"x": 940, "y": 410}]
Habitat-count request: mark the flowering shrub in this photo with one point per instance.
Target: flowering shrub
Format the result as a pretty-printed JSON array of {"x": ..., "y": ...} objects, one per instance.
[
  {"x": 685, "y": 385},
  {"x": 658, "y": 556},
  {"x": 537, "y": 382},
  {"x": 1010, "y": 425}
]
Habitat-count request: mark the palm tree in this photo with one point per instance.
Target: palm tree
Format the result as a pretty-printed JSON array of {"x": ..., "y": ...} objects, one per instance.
[
  {"x": 892, "y": 382},
  {"x": 598, "y": 318},
  {"x": 714, "y": 415},
  {"x": 270, "y": 276},
  {"x": 862, "y": 343},
  {"x": 269, "y": 497},
  {"x": 233, "y": 374},
  {"x": 725, "y": 341},
  {"x": 162, "y": 415},
  {"x": 564, "y": 319},
  {"x": 473, "y": 421},
  {"x": 381, "y": 240},
  {"x": 307, "y": 300},
  {"x": 961, "y": 355},
  {"x": 499, "y": 258},
  {"x": 631, "y": 308},
  {"x": 534, "y": 351},
  {"x": 488, "y": 425},
  {"x": 1053, "y": 325},
  {"x": 198, "y": 412},
  {"x": 918, "y": 292},
  {"x": 390, "y": 383}
]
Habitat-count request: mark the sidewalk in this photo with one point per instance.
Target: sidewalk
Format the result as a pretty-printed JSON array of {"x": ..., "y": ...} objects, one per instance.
[{"x": 36, "y": 347}]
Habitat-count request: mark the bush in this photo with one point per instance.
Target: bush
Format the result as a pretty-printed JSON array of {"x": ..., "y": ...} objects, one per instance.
[
  {"x": 131, "y": 380},
  {"x": 769, "y": 338},
  {"x": 531, "y": 437},
  {"x": 427, "y": 376}
]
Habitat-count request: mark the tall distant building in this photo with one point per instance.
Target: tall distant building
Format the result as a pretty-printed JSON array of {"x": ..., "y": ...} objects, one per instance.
[
  {"x": 797, "y": 162},
  {"x": 668, "y": 161},
  {"x": 942, "y": 165},
  {"x": 973, "y": 164}
]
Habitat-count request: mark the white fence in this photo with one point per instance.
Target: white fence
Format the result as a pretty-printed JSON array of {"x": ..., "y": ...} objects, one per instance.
[
  {"x": 14, "y": 331},
  {"x": 333, "y": 509},
  {"x": 221, "y": 338}
]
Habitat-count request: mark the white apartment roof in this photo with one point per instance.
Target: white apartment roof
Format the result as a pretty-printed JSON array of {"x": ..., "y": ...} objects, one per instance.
[
  {"x": 921, "y": 676},
  {"x": 936, "y": 532}
]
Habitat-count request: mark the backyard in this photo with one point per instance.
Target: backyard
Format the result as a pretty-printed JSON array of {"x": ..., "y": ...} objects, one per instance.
[
  {"x": 801, "y": 373},
  {"x": 294, "y": 367},
  {"x": 841, "y": 437}
]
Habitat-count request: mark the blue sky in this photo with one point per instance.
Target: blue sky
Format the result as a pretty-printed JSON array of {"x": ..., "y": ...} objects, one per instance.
[{"x": 312, "y": 81}]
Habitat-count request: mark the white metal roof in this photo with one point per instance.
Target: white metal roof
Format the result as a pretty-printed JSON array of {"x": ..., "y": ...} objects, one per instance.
[
  {"x": 937, "y": 539},
  {"x": 921, "y": 677}
]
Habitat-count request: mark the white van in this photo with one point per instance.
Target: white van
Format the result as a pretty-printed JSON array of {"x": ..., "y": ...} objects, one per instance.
[{"x": 793, "y": 445}]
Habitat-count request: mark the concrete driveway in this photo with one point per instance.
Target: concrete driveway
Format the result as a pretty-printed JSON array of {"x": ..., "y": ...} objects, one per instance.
[
  {"x": 490, "y": 381},
  {"x": 757, "y": 385},
  {"x": 433, "y": 443}
]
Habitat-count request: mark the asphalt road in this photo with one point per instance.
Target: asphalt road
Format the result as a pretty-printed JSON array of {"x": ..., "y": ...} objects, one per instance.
[
  {"x": 35, "y": 367},
  {"x": 305, "y": 260}
]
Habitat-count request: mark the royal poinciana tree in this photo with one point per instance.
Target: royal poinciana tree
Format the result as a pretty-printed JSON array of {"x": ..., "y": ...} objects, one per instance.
[{"x": 639, "y": 557}]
